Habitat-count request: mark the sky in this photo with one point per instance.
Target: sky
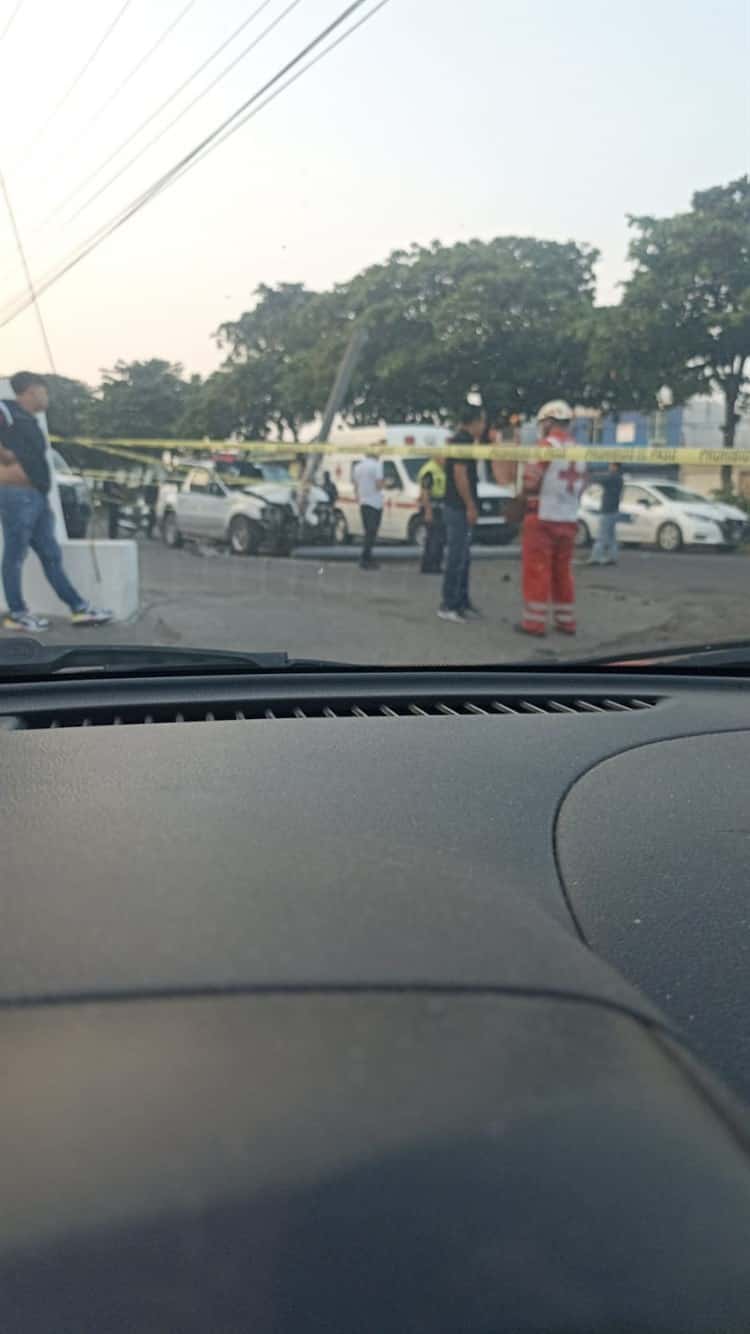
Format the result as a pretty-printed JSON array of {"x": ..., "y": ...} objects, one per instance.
[{"x": 437, "y": 119}]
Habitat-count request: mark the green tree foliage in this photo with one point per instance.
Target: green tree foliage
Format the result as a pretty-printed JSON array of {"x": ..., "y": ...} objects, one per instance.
[
  {"x": 502, "y": 315},
  {"x": 139, "y": 400},
  {"x": 70, "y": 405},
  {"x": 513, "y": 317},
  {"x": 689, "y": 296},
  {"x": 270, "y": 369}
]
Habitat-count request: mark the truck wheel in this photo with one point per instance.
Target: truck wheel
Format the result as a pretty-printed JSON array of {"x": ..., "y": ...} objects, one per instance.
[
  {"x": 341, "y": 535},
  {"x": 243, "y": 538},
  {"x": 170, "y": 532},
  {"x": 583, "y": 536},
  {"x": 417, "y": 532}
]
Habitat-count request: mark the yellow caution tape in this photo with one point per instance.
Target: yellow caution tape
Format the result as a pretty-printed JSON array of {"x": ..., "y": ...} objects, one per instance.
[{"x": 706, "y": 458}]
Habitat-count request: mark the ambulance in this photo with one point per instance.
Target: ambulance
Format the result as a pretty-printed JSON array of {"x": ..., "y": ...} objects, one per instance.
[{"x": 402, "y": 517}]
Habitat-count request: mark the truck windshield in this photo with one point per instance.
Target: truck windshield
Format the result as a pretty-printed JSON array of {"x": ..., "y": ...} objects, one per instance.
[{"x": 413, "y": 466}]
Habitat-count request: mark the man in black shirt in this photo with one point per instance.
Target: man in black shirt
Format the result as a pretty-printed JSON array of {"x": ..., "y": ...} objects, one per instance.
[
  {"x": 25, "y": 514},
  {"x": 605, "y": 547},
  {"x": 460, "y": 514}
]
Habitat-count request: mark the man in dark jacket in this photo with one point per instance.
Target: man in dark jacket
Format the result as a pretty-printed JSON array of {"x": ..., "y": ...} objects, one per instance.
[
  {"x": 25, "y": 514},
  {"x": 461, "y": 511},
  {"x": 605, "y": 547}
]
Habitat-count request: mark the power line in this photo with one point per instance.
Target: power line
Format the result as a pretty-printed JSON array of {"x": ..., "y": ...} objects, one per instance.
[
  {"x": 13, "y": 16},
  {"x": 115, "y": 93},
  {"x": 36, "y": 136},
  {"x": 161, "y": 107},
  {"x": 139, "y": 64},
  {"x": 222, "y": 132},
  {"x": 165, "y": 130},
  {"x": 33, "y": 296}
]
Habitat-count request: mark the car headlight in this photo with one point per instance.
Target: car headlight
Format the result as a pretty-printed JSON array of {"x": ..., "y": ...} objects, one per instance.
[{"x": 700, "y": 518}]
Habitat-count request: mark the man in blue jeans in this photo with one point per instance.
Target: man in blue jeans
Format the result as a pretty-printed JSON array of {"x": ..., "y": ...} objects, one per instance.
[
  {"x": 460, "y": 512},
  {"x": 25, "y": 514},
  {"x": 605, "y": 547}
]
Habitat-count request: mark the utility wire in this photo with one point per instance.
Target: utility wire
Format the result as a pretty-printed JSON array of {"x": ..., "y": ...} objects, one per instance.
[
  {"x": 9, "y": 22},
  {"x": 36, "y": 136},
  {"x": 139, "y": 65},
  {"x": 115, "y": 93},
  {"x": 176, "y": 119},
  {"x": 161, "y": 107},
  {"x": 219, "y": 135},
  {"x": 33, "y": 295}
]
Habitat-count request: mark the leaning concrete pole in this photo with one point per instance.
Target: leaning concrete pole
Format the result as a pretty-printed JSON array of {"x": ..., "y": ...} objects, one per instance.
[{"x": 339, "y": 388}]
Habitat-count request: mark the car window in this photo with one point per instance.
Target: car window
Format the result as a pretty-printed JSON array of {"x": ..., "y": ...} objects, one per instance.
[
  {"x": 200, "y": 481},
  {"x": 391, "y": 479},
  {"x": 636, "y": 495},
  {"x": 59, "y": 463},
  {"x": 680, "y": 494},
  {"x": 413, "y": 466}
]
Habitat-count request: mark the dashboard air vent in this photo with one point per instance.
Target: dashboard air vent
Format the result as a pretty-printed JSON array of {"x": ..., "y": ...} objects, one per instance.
[{"x": 490, "y": 706}]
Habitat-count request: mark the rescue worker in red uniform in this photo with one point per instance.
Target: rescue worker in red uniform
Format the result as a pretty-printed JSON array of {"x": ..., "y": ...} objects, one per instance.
[{"x": 552, "y": 489}]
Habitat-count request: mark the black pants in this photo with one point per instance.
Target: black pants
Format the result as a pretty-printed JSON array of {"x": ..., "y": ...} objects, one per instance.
[
  {"x": 432, "y": 556},
  {"x": 370, "y": 522}
]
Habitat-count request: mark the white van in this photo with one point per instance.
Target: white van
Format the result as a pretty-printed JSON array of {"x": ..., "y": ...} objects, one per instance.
[{"x": 402, "y": 521}]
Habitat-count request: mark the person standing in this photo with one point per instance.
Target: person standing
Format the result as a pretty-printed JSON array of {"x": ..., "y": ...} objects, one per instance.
[
  {"x": 367, "y": 476},
  {"x": 606, "y": 550},
  {"x": 431, "y": 478},
  {"x": 461, "y": 513},
  {"x": 25, "y": 514},
  {"x": 330, "y": 488},
  {"x": 551, "y": 488}
]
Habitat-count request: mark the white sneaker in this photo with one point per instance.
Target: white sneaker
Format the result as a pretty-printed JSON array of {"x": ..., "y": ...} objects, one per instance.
[
  {"x": 25, "y": 620},
  {"x": 91, "y": 616},
  {"x": 454, "y": 617}
]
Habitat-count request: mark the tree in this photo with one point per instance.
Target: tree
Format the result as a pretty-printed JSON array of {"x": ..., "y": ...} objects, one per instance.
[
  {"x": 623, "y": 369},
  {"x": 272, "y": 359},
  {"x": 140, "y": 400},
  {"x": 690, "y": 291},
  {"x": 70, "y": 405},
  {"x": 502, "y": 315}
]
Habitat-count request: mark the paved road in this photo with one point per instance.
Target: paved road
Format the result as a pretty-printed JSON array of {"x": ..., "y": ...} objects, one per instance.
[{"x": 329, "y": 609}]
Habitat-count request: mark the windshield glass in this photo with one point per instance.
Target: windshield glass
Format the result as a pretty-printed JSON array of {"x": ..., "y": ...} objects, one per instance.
[
  {"x": 58, "y": 462},
  {"x": 679, "y": 494},
  {"x": 413, "y": 467},
  {"x": 300, "y": 249}
]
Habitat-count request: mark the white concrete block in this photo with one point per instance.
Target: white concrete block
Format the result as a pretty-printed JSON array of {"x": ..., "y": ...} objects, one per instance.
[{"x": 105, "y": 573}]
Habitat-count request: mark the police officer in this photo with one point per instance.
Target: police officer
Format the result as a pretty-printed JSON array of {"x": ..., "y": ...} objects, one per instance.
[{"x": 431, "y": 478}]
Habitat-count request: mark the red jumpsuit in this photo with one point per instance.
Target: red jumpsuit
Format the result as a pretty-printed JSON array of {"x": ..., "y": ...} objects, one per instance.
[{"x": 548, "y": 541}]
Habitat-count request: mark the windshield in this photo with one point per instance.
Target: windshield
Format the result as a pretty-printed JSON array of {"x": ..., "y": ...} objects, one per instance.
[
  {"x": 679, "y": 494},
  {"x": 261, "y": 262},
  {"x": 58, "y": 462},
  {"x": 413, "y": 467}
]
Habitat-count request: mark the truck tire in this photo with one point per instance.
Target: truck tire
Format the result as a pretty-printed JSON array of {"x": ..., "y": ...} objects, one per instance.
[
  {"x": 416, "y": 533},
  {"x": 171, "y": 535},
  {"x": 244, "y": 538},
  {"x": 341, "y": 535}
]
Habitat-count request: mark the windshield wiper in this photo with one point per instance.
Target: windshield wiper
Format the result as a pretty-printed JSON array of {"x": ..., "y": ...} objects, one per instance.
[
  {"x": 727, "y": 653},
  {"x": 22, "y": 656}
]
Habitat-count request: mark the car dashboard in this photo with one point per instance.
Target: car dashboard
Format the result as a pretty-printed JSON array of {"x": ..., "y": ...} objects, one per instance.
[{"x": 375, "y": 1001}]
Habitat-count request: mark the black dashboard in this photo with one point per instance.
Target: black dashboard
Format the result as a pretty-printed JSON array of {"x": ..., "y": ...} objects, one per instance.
[{"x": 375, "y": 1002}]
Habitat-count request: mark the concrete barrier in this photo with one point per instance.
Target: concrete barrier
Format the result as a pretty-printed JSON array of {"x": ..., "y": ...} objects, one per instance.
[{"x": 105, "y": 573}]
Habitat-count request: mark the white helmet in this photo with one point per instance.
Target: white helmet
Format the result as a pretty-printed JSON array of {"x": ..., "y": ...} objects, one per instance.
[{"x": 558, "y": 409}]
